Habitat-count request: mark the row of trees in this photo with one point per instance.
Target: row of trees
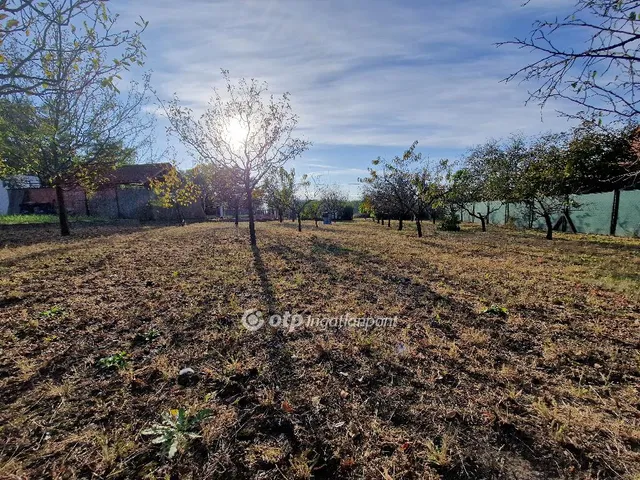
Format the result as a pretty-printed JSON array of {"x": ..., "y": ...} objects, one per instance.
[{"x": 543, "y": 173}]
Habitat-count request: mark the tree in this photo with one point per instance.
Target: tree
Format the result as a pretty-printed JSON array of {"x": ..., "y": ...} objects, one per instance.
[
  {"x": 249, "y": 136},
  {"x": 366, "y": 207},
  {"x": 544, "y": 182},
  {"x": 488, "y": 176},
  {"x": 332, "y": 198},
  {"x": 587, "y": 58},
  {"x": 279, "y": 190},
  {"x": 601, "y": 160},
  {"x": 220, "y": 187},
  {"x": 34, "y": 35},
  {"x": 313, "y": 211},
  {"x": 431, "y": 189},
  {"x": 174, "y": 190},
  {"x": 74, "y": 138},
  {"x": 301, "y": 199}
]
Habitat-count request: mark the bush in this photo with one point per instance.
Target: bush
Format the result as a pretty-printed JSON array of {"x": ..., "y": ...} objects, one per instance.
[
  {"x": 451, "y": 223},
  {"x": 346, "y": 213}
]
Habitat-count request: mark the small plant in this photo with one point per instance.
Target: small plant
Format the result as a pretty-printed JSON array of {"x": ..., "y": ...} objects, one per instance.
[
  {"x": 53, "y": 312},
  {"x": 450, "y": 223},
  {"x": 176, "y": 430},
  {"x": 496, "y": 310},
  {"x": 117, "y": 361},
  {"x": 438, "y": 452},
  {"x": 147, "y": 337}
]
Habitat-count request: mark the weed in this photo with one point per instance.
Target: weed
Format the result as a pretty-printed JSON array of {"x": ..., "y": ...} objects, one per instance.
[
  {"x": 147, "y": 337},
  {"x": 53, "y": 312},
  {"x": 438, "y": 452},
  {"x": 176, "y": 430},
  {"x": 117, "y": 361},
  {"x": 496, "y": 310}
]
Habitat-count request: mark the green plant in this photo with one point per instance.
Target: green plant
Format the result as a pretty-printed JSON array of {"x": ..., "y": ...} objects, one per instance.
[
  {"x": 496, "y": 310},
  {"x": 450, "y": 223},
  {"x": 147, "y": 337},
  {"x": 117, "y": 360},
  {"x": 176, "y": 430},
  {"x": 53, "y": 312}
]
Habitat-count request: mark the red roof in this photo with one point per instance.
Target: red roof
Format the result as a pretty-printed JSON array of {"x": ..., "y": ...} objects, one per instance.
[{"x": 137, "y": 174}]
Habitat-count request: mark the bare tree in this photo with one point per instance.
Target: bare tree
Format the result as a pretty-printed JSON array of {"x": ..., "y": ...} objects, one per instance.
[
  {"x": 245, "y": 133},
  {"x": 34, "y": 60},
  {"x": 587, "y": 58}
]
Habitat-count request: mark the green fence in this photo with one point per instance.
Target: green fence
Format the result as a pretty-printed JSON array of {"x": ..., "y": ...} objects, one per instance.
[{"x": 596, "y": 214}]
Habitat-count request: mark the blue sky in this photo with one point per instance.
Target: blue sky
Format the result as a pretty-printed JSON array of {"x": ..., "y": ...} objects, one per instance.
[{"x": 366, "y": 77}]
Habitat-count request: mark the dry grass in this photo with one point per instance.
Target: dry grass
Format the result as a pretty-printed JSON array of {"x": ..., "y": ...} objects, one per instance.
[{"x": 547, "y": 391}]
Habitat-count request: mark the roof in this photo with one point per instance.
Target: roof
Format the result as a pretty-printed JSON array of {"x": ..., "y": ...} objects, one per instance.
[{"x": 137, "y": 174}]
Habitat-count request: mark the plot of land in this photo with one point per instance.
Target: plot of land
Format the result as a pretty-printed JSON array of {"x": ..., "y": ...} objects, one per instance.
[{"x": 543, "y": 385}]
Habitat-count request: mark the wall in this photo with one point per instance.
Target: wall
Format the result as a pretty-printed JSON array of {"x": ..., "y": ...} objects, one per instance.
[
  {"x": 593, "y": 216},
  {"x": 130, "y": 203}
]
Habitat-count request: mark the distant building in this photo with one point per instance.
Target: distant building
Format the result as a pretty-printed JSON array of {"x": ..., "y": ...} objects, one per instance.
[{"x": 125, "y": 193}]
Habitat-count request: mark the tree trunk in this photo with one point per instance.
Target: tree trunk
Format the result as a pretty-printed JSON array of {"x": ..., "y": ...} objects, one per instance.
[
  {"x": 547, "y": 219},
  {"x": 299, "y": 223},
  {"x": 252, "y": 225},
  {"x": 419, "y": 227},
  {"x": 280, "y": 215},
  {"x": 483, "y": 222},
  {"x": 180, "y": 216},
  {"x": 62, "y": 212},
  {"x": 400, "y": 224},
  {"x": 237, "y": 215}
]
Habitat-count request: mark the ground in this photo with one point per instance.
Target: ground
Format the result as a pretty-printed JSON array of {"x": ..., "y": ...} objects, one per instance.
[{"x": 543, "y": 385}]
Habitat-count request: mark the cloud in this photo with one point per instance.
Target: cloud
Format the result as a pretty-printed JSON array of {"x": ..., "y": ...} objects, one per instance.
[{"x": 361, "y": 72}]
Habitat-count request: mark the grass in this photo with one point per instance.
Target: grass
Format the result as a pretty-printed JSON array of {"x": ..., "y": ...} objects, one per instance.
[
  {"x": 546, "y": 387},
  {"x": 37, "y": 219}
]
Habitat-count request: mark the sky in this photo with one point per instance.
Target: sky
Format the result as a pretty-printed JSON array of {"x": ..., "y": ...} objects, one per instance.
[{"x": 366, "y": 77}]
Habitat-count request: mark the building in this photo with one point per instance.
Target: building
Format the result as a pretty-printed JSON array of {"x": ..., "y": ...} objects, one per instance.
[{"x": 125, "y": 193}]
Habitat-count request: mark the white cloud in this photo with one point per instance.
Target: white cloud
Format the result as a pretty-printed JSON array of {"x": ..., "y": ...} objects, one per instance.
[{"x": 361, "y": 72}]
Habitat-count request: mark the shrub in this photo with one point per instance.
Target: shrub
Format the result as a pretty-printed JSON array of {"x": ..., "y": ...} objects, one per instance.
[
  {"x": 346, "y": 213},
  {"x": 450, "y": 223}
]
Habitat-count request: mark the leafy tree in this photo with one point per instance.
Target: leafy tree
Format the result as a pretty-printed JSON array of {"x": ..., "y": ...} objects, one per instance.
[
  {"x": 175, "y": 190},
  {"x": 279, "y": 190},
  {"x": 246, "y": 134},
  {"x": 430, "y": 182},
  {"x": 600, "y": 160},
  {"x": 544, "y": 182},
  {"x": 313, "y": 211},
  {"x": 220, "y": 186},
  {"x": 366, "y": 207},
  {"x": 41, "y": 42},
  {"x": 488, "y": 176},
  {"x": 332, "y": 199}
]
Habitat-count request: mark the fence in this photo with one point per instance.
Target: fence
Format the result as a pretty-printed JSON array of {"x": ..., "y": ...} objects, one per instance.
[
  {"x": 609, "y": 213},
  {"x": 119, "y": 202}
]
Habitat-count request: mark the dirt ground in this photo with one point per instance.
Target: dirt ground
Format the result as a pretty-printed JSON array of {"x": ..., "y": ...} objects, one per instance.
[{"x": 543, "y": 385}]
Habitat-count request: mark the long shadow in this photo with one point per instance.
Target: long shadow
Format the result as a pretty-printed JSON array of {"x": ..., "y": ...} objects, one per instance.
[
  {"x": 267, "y": 288},
  {"x": 80, "y": 239}
]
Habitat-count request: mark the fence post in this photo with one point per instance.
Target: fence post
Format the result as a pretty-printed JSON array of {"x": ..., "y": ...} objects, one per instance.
[{"x": 614, "y": 212}]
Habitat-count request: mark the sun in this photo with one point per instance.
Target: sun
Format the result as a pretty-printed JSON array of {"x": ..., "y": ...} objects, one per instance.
[{"x": 236, "y": 133}]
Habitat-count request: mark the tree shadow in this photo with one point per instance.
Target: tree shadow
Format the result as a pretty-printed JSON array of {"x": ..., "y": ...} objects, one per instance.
[{"x": 265, "y": 283}]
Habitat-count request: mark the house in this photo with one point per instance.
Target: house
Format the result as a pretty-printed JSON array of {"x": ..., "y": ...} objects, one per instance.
[{"x": 124, "y": 193}]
